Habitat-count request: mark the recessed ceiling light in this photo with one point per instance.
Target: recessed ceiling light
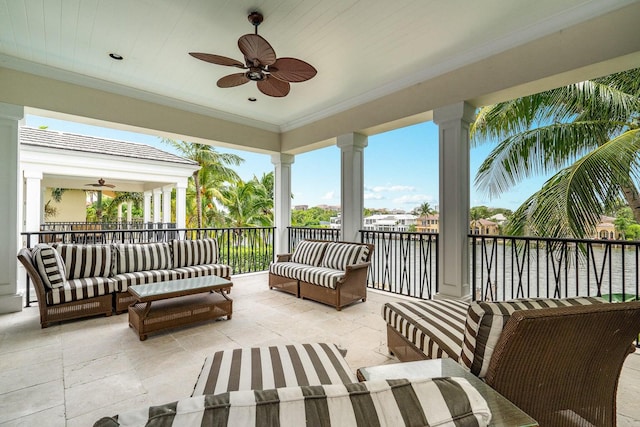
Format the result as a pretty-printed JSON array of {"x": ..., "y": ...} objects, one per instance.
[
  {"x": 252, "y": 99},
  {"x": 116, "y": 56}
]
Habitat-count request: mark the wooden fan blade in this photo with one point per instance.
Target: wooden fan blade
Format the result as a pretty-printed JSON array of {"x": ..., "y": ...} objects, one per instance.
[
  {"x": 271, "y": 86},
  {"x": 217, "y": 59},
  {"x": 256, "y": 49},
  {"x": 292, "y": 70},
  {"x": 233, "y": 80}
]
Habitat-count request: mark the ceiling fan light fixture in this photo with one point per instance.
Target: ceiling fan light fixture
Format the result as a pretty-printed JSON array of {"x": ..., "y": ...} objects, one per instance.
[{"x": 255, "y": 75}]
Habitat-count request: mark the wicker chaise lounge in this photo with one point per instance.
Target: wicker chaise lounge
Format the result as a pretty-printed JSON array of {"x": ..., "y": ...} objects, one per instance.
[{"x": 558, "y": 360}]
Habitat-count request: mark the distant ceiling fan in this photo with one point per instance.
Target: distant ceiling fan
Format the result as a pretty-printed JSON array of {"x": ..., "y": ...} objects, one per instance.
[
  {"x": 271, "y": 74},
  {"x": 101, "y": 183}
]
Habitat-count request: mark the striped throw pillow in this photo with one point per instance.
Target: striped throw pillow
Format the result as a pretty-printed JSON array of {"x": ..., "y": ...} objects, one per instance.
[
  {"x": 486, "y": 320},
  {"x": 340, "y": 255},
  {"x": 187, "y": 253},
  {"x": 141, "y": 257},
  {"x": 50, "y": 265},
  {"x": 86, "y": 260},
  {"x": 384, "y": 403},
  {"x": 309, "y": 252}
]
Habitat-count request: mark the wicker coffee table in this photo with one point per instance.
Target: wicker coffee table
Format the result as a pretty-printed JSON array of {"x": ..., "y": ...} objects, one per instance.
[{"x": 175, "y": 303}]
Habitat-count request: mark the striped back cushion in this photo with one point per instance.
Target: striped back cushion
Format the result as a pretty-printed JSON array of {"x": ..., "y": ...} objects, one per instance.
[
  {"x": 86, "y": 260},
  {"x": 309, "y": 252},
  {"x": 131, "y": 257},
  {"x": 486, "y": 320},
  {"x": 49, "y": 264},
  {"x": 340, "y": 255},
  {"x": 261, "y": 368},
  {"x": 187, "y": 253},
  {"x": 385, "y": 403}
]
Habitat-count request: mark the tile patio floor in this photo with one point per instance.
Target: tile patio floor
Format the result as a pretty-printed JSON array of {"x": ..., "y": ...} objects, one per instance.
[{"x": 74, "y": 373}]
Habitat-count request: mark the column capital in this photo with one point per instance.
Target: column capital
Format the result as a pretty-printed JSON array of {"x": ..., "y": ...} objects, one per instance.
[
  {"x": 282, "y": 159},
  {"x": 32, "y": 174},
  {"x": 460, "y": 111},
  {"x": 11, "y": 112},
  {"x": 353, "y": 140}
]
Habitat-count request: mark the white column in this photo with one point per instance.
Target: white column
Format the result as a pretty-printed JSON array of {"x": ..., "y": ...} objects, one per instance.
[
  {"x": 352, "y": 147},
  {"x": 129, "y": 211},
  {"x": 146, "y": 208},
  {"x": 181, "y": 204},
  {"x": 166, "y": 204},
  {"x": 157, "y": 203},
  {"x": 120, "y": 212},
  {"x": 282, "y": 202},
  {"x": 33, "y": 200},
  {"x": 453, "y": 241},
  {"x": 11, "y": 195}
]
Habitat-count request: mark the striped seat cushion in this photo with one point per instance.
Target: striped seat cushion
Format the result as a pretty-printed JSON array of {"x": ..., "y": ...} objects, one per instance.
[
  {"x": 292, "y": 270},
  {"x": 434, "y": 327},
  {"x": 79, "y": 289},
  {"x": 486, "y": 320},
  {"x": 340, "y": 255},
  {"x": 309, "y": 252},
  {"x": 220, "y": 270},
  {"x": 49, "y": 264},
  {"x": 384, "y": 403},
  {"x": 262, "y": 368},
  {"x": 141, "y": 257},
  {"x": 124, "y": 280},
  {"x": 187, "y": 253},
  {"x": 86, "y": 260},
  {"x": 321, "y": 276}
]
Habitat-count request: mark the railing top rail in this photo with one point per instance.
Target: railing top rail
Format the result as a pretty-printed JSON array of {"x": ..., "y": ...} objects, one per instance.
[{"x": 555, "y": 239}]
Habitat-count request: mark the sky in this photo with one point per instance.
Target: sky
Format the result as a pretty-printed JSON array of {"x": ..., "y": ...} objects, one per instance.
[{"x": 400, "y": 167}]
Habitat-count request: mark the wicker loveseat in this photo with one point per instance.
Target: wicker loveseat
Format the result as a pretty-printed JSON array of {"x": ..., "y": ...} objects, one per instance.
[
  {"x": 559, "y": 360},
  {"x": 333, "y": 273},
  {"x": 73, "y": 281}
]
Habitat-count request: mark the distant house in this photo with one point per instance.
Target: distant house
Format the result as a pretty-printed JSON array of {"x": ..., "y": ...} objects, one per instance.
[
  {"x": 606, "y": 230},
  {"x": 393, "y": 222},
  {"x": 428, "y": 224},
  {"x": 498, "y": 218},
  {"x": 484, "y": 226}
]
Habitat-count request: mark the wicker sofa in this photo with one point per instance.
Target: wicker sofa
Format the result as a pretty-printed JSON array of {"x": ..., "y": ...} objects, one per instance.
[
  {"x": 559, "y": 360},
  {"x": 308, "y": 384},
  {"x": 73, "y": 281},
  {"x": 333, "y": 273}
]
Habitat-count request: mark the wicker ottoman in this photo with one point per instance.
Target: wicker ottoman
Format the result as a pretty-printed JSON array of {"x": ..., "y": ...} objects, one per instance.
[{"x": 262, "y": 368}]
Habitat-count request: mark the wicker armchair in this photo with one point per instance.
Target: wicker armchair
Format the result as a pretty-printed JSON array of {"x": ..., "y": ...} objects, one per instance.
[
  {"x": 562, "y": 365},
  {"x": 49, "y": 313}
]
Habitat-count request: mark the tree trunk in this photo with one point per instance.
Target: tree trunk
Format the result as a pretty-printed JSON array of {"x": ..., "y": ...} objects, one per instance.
[
  {"x": 633, "y": 199},
  {"x": 196, "y": 183}
]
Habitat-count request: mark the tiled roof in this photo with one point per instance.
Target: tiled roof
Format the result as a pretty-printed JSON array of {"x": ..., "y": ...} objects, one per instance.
[{"x": 92, "y": 144}]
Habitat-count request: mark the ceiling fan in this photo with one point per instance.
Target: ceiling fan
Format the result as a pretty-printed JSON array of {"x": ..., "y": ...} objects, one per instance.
[
  {"x": 271, "y": 74},
  {"x": 101, "y": 183}
]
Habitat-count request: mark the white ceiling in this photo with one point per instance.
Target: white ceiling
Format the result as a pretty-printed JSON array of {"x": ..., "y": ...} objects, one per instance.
[{"x": 362, "y": 49}]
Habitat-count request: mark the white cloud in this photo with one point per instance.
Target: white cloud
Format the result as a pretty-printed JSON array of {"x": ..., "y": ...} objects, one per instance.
[
  {"x": 413, "y": 199},
  {"x": 383, "y": 188},
  {"x": 372, "y": 196},
  {"x": 329, "y": 195}
]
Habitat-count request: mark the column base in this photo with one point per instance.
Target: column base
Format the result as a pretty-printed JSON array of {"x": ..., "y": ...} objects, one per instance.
[
  {"x": 454, "y": 292},
  {"x": 10, "y": 303}
]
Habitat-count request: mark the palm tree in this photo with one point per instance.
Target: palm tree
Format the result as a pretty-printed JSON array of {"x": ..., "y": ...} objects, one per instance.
[
  {"x": 211, "y": 162},
  {"x": 247, "y": 204},
  {"x": 424, "y": 209},
  {"x": 586, "y": 133}
]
